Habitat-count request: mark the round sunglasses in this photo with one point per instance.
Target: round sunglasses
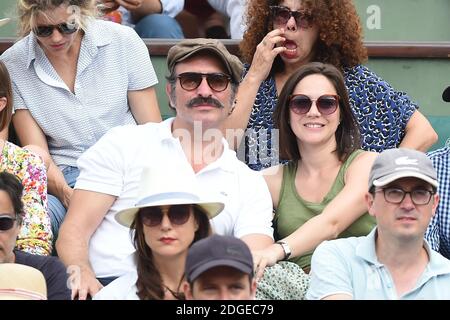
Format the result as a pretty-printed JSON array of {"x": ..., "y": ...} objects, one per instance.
[
  {"x": 301, "y": 104},
  {"x": 191, "y": 80},
  {"x": 178, "y": 214},
  {"x": 6, "y": 222},
  {"x": 63, "y": 28},
  {"x": 281, "y": 16}
]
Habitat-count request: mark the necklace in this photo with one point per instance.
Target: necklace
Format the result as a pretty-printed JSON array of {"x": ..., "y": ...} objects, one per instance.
[{"x": 176, "y": 294}]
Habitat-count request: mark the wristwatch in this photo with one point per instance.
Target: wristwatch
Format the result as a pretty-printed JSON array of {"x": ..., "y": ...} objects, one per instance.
[{"x": 286, "y": 249}]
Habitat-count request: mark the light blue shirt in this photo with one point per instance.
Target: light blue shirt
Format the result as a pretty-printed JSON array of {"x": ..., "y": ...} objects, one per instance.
[
  {"x": 350, "y": 266},
  {"x": 112, "y": 61}
]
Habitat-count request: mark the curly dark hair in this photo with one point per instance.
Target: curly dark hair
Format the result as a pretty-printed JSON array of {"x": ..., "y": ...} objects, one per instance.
[
  {"x": 340, "y": 32},
  {"x": 347, "y": 133},
  {"x": 149, "y": 282}
]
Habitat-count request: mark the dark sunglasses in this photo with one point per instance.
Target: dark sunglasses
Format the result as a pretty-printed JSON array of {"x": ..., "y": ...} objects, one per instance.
[
  {"x": 178, "y": 214},
  {"x": 301, "y": 104},
  {"x": 281, "y": 16},
  {"x": 6, "y": 223},
  {"x": 63, "y": 28},
  {"x": 191, "y": 80}
]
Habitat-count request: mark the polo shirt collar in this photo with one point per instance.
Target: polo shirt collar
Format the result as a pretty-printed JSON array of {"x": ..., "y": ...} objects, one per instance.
[
  {"x": 94, "y": 38},
  {"x": 33, "y": 45},
  {"x": 366, "y": 248},
  {"x": 437, "y": 264},
  {"x": 225, "y": 161}
]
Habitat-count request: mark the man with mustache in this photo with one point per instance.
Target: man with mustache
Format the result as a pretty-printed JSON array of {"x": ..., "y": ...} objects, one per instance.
[
  {"x": 202, "y": 82},
  {"x": 393, "y": 261}
]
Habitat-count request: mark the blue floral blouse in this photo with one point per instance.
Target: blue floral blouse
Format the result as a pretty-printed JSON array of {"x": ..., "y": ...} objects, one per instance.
[{"x": 382, "y": 114}]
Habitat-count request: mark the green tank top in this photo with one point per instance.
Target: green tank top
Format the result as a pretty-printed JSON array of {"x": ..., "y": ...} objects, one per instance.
[{"x": 293, "y": 211}]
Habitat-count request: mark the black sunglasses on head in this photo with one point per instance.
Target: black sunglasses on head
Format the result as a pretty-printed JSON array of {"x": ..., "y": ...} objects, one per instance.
[
  {"x": 64, "y": 28},
  {"x": 301, "y": 104},
  {"x": 281, "y": 16},
  {"x": 6, "y": 222},
  {"x": 178, "y": 214}
]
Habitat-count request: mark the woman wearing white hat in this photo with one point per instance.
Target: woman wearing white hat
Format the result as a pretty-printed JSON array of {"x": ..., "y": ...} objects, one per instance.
[{"x": 165, "y": 223}]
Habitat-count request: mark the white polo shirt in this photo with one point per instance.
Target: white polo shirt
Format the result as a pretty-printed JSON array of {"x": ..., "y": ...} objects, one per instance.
[
  {"x": 114, "y": 165},
  {"x": 113, "y": 60}
]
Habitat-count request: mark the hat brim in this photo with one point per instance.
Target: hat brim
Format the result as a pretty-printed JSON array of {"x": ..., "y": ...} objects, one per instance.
[
  {"x": 21, "y": 294},
  {"x": 4, "y": 21},
  {"x": 220, "y": 263},
  {"x": 126, "y": 217},
  {"x": 404, "y": 174}
]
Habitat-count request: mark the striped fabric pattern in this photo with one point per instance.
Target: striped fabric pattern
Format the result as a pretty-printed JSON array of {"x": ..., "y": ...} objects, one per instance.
[
  {"x": 438, "y": 232},
  {"x": 112, "y": 61}
]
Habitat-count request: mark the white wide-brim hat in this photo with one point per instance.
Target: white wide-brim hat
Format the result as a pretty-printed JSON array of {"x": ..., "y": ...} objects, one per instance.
[
  {"x": 4, "y": 21},
  {"x": 160, "y": 187}
]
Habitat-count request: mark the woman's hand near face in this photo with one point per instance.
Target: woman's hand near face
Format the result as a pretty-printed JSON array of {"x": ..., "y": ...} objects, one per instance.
[{"x": 265, "y": 54}]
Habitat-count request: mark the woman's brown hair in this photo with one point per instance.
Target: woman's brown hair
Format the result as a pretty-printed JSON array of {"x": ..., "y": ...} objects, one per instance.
[
  {"x": 340, "y": 32},
  {"x": 347, "y": 133},
  {"x": 5, "y": 91},
  {"x": 149, "y": 282}
]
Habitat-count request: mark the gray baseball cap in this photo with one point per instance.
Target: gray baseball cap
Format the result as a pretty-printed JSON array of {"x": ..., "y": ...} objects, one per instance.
[{"x": 393, "y": 164}]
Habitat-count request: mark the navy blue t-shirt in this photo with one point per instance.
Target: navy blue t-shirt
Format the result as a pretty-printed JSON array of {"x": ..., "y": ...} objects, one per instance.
[{"x": 53, "y": 270}]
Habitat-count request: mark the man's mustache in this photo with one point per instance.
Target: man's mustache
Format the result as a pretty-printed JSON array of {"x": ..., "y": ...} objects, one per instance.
[{"x": 201, "y": 101}]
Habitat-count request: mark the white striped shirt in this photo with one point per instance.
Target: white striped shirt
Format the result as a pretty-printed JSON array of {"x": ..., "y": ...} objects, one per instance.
[{"x": 113, "y": 60}]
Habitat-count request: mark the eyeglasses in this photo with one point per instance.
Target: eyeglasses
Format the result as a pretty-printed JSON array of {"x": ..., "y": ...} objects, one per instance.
[
  {"x": 63, "y": 28},
  {"x": 301, "y": 104},
  {"x": 178, "y": 214},
  {"x": 191, "y": 80},
  {"x": 396, "y": 195},
  {"x": 281, "y": 16},
  {"x": 6, "y": 222}
]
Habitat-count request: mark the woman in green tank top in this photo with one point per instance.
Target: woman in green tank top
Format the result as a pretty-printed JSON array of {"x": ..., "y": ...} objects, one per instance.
[{"x": 319, "y": 194}]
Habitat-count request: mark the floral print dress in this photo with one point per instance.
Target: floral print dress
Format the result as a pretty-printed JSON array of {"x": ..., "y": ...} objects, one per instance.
[{"x": 35, "y": 234}]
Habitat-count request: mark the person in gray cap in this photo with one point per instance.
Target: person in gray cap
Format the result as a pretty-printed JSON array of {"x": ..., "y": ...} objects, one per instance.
[
  {"x": 219, "y": 268},
  {"x": 202, "y": 82},
  {"x": 438, "y": 232},
  {"x": 393, "y": 261}
]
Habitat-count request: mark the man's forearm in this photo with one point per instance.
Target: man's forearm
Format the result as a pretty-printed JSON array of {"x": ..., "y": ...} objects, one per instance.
[{"x": 56, "y": 181}]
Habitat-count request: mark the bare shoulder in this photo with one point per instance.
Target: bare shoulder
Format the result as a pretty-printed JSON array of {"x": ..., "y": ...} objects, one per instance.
[
  {"x": 366, "y": 156},
  {"x": 274, "y": 179},
  {"x": 361, "y": 164},
  {"x": 273, "y": 174}
]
